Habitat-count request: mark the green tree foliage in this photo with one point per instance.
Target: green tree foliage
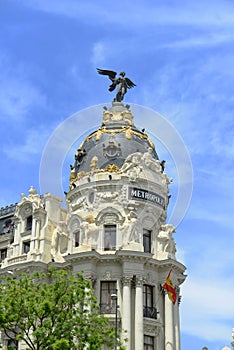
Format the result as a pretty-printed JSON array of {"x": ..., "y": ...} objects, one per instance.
[{"x": 53, "y": 311}]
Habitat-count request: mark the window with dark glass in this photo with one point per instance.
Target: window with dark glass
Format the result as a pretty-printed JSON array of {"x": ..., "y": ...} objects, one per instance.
[
  {"x": 148, "y": 302},
  {"x": 107, "y": 304},
  {"x": 29, "y": 223},
  {"x": 147, "y": 241},
  {"x": 77, "y": 238},
  {"x": 3, "y": 254},
  {"x": 109, "y": 237},
  {"x": 148, "y": 342},
  {"x": 13, "y": 344},
  {"x": 26, "y": 247},
  {"x": 8, "y": 226}
]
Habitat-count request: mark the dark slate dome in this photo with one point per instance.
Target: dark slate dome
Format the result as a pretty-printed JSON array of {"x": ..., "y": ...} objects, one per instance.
[{"x": 113, "y": 142}]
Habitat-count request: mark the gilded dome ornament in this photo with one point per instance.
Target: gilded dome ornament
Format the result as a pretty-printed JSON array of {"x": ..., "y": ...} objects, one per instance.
[{"x": 111, "y": 168}]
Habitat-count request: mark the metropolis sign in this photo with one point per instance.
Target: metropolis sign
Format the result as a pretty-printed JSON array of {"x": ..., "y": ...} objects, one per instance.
[{"x": 141, "y": 194}]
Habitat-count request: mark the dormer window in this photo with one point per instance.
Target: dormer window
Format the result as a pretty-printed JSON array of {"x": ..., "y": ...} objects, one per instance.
[{"x": 109, "y": 237}]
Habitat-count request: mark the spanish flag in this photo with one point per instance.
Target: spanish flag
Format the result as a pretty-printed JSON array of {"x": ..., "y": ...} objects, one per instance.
[{"x": 168, "y": 286}]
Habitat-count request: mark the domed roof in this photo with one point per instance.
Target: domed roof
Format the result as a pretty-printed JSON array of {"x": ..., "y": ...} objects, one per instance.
[{"x": 110, "y": 145}]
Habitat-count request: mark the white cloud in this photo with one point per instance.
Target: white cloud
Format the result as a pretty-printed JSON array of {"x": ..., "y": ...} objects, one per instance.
[
  {"x": 222, "y": 141},
  {"x": 200, "y": 40},
  {"x": 98, "y": 54},
  {"x": 207, "y": 214},
  {"x": 18, "y": 94},
  {"x": 17, "y": 98},
  {"x": 205, "y": 306},
  {"x": 32, "y": 145},
  {"x": 145, "y": 13},
  {"x": 207, "y": 295}
]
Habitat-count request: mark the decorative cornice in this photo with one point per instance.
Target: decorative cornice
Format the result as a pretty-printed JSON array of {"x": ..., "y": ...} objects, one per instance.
[{"x": 6, "y": 211}]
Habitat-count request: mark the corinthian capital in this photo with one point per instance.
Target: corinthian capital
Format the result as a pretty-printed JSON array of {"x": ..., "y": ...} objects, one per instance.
[
  {"x": 126, "y": 280},
  {"x": 139, "y": 281}
]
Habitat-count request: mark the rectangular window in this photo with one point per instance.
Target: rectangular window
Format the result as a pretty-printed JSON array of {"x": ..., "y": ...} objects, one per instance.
[
  {"x": 147, "y": 241},
  {"x": 109, "y": 237},
  {"x": 77, "y": 238},
  {"x": 3, "y": 254},
  {"x": 12, "y": 343},
  {"x": 148, "y": 342},
  {"x": 8, "y": 227},
  {"x": 26, "y": 247},
  {"x": 148, "y": 301},
  {"x": 29, "y": 223},
  {"x": 107, "y": 301},
  {"x": 148, "y": 295}
]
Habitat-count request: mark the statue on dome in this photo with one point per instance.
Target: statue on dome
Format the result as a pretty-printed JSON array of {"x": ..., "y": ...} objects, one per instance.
[{"x": 121, "y": 82}]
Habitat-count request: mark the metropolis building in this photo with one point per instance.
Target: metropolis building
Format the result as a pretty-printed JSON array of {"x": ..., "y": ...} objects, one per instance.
[{"x": 113, "y": 229}]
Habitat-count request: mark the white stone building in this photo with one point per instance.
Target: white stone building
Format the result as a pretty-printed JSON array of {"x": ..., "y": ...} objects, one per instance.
[{"x": 114, "y": 229}]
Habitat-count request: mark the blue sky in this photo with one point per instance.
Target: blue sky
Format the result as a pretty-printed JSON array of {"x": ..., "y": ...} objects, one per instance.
[{"x": 180, "y": 54}]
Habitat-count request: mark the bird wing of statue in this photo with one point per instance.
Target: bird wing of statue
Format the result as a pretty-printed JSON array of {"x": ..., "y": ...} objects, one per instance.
[
  {"x": 111, "y": 74},
  {"x": 130, "y": 84}
]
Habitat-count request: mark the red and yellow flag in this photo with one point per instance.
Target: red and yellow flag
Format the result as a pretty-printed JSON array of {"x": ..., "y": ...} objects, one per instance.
[{"x": 168, "y": 286}]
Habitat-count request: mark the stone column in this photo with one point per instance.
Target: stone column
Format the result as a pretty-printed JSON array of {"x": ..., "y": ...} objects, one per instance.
[
  {"x": 126, "y": 310},
  {"x": 39, "y": 217},
  {"x": 139, "y": 327},
  {"x": 177, "y": 323},
  {"x": 18, "y": 228},
  {"x": 169, "y": 325},
  {"x": 37, "y": 234}
]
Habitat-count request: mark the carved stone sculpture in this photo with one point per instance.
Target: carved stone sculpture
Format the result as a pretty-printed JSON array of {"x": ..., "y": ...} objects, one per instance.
[
  {"x": 166, "y": 243},
  {"x": 58, "y": 243}
]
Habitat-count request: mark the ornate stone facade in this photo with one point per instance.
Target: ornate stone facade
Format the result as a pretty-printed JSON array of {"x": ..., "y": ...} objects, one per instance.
[{"x": 114, "y": 229}]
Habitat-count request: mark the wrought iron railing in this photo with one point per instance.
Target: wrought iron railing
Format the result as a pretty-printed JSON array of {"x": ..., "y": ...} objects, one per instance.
[
  {"x": 150, "y": 312},
  {"x": 107, "y": 308}
]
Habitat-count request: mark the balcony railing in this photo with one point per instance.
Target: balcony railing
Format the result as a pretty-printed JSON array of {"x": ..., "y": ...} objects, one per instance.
[
  {"x": 17, "y": 259},
  {"x": 107, "y": 309},
  {"x": 150, "y": 312}
]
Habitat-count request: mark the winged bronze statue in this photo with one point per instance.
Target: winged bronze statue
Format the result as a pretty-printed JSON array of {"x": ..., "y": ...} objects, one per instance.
[{"x": 123, "y": 83}]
